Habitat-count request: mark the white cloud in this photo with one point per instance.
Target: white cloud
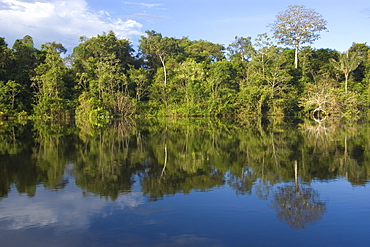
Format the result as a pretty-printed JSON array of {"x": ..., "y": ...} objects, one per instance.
[
  {"x": 147, "y": 5},
  {"x": 59, "y": 20},
  {"x": 145, "y": 16}
]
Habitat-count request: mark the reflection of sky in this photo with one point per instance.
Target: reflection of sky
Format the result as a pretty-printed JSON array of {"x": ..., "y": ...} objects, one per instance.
[
  {"x": 218, "y": 217},
  {"x": 63, "y": 209}
]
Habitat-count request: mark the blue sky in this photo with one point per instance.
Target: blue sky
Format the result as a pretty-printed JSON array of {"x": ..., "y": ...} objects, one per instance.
[{"x": 217, "y": 21}]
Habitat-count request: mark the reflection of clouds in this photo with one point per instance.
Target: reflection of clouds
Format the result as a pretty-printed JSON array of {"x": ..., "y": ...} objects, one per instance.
[
  {"x": 132, "y": 200},
  {"x": 65, "y": 209}
]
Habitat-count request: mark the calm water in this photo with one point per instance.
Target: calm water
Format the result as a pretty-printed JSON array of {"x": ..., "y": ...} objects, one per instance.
[{"x": 196, "y": 182}]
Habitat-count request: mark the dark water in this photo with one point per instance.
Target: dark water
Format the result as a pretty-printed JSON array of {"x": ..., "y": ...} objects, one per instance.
[{"x": 199, "y": 182}]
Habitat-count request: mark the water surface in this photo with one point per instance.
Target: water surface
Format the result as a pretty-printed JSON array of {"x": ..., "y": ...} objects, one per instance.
[{"x": 197, "y": 182}]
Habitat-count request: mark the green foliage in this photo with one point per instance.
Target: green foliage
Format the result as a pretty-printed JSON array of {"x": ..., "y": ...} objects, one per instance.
[
  {"x": 202, "y": 51},
  {"x": 269, "y": 80},
  {"x": 252, "y": 101},
  {"x": 6, "y": 57},
  {"x": 350, "y": 105},
  {"x": 155, "y": 47},
  {"x": 49, "y": 83},
  {"x": 104, "y": 79},
  {"x": 222, "y": 88},
  {"x": 25, "y": 59},
  {"x": 140, "y": 81},
  {"x": 348, "y": 62},
  {"x": 91, "y": 110},
  {"x": 316, "y": 63},
  {"x": 101, "y": 65},
  {"x": 187, "y": 88},
  {"x": 8, "y": 94},
  {"x": 241, "y": 49}
]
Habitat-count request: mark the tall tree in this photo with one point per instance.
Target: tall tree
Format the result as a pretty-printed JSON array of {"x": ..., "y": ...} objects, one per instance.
[
  {"x": 5, "y": 59},
  {"x": 241, "y": 48},
  {"x": 49, "y": 82},
  {"x": 296, "y": 26},
  {"x": 348, "y": 62},
  {"x": 153, "y": 46},
  {"x": 9, "y": 89},
  {"x": 362, "y": 49},
  {"x": 222, "y": 88},
  {"x": 203, "y": 51},
  {"x": 26, "y": 59},
  {"x": 187, "y": 87}
]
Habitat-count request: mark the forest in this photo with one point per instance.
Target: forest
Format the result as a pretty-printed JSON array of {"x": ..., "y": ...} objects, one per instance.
[{"x": 104, "y": 77}]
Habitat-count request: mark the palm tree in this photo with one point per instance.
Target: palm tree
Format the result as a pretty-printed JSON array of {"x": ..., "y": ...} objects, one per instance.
[{"x": 348, "y": 62}]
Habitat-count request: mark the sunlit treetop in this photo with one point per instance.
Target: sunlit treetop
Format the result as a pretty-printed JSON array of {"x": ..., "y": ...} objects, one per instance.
[{"x": 298, "y": 25}]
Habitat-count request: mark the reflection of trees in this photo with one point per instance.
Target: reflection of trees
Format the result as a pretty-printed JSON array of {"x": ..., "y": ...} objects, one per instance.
[
  {"x": 350, "y": 160},
  {"x": 343, "y": 151},
  {"x": 180, "y": 182},
  {"x": 242, "y": 181},
  {"x": 53, "y": 150},
  {"x": 107, "y": 159},
  {"x": 16, "y": 164},
  {"x": 264, "y": 152},
  {"x": 297, "y": 205},
  {"x": 318, "y": 132},
  {"x": 183, "y": 157},
  {"x": 11, "y": 142},
  {"x": 179, "y": 156}
]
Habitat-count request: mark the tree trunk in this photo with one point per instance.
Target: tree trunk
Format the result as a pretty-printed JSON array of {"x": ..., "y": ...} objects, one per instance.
[
  {"x": 296, "y": 57},
  {"x": 346, "y": 82},
  {"x": 164, "y": 70}
]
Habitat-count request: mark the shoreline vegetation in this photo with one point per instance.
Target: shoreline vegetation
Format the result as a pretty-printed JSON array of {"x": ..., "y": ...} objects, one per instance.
[{"x": 105, "y": 78}]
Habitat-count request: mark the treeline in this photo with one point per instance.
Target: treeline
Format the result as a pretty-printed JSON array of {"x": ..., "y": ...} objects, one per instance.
[{"x": 104, "y": 77}]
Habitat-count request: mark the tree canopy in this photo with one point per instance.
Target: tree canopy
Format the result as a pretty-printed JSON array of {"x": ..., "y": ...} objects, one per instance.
[{"x": 297, "y": 26}]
